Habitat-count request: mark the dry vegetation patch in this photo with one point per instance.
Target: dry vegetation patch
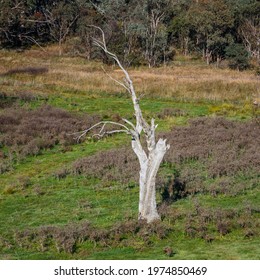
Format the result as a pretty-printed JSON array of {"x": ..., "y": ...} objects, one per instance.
[
  {"x": 227, "y": 147},
  {"x": 182, "y": 82},
  {"x": 28, "y": 132},
  {"x": 26, "y": 70}
]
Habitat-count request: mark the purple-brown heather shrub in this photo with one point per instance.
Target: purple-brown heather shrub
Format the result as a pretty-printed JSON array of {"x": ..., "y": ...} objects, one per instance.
[
  {"x": 209, "y": 223},
  {"x": 119, "y": 165},
  {"x": 68, "y": 237},
  {"x": 31, "y": 131}
]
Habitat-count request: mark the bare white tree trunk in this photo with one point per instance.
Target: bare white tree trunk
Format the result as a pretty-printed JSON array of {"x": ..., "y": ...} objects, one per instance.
[
  {"x": 149, "y": 161},
  {"x": 149, "y": 165},
  {"x": 148, "y": 172}
]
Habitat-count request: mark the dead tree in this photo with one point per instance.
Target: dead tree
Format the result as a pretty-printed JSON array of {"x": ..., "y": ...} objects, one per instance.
[{"x": 150, "y": 158}]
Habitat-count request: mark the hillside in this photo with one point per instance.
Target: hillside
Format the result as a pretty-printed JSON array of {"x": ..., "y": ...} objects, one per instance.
[{"x": 60, "y": 199}]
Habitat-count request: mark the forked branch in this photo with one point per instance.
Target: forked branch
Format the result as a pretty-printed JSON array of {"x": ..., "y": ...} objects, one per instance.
[{"x": 102, "y": 132}]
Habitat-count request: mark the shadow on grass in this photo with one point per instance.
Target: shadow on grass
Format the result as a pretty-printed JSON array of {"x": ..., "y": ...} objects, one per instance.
[{"x": 26, "y": 70}]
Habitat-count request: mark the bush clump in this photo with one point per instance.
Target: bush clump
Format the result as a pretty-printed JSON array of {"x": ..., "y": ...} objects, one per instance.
[{"x": 238, "y": 57}]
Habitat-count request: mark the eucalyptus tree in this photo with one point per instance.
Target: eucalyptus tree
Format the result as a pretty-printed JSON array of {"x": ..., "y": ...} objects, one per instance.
[
  {"x": 179, "y": 27},
  {"x": 211, "y": 22},
  {"x": 156, "y": 32},
  {"x": 150, "y": 157}
]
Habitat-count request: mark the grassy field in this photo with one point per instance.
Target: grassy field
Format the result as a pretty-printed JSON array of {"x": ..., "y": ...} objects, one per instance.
[{"x": 65, "y": 200}]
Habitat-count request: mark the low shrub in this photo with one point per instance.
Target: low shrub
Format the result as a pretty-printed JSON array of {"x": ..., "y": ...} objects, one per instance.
[
  {"x": 69, "y": 237},
  {"x": 9, "y": 189},
  {"x": 5, "y": 166},
  {"x": 119, "y": 165},
  {"x": 29, "y": 132},
  {"x": 211, "y": 223}
]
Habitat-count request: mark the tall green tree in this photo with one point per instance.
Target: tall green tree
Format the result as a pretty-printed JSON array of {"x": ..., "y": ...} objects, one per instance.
[
  {"x": 179, "y": 27},
  {"x": 211, "y": 22},
  {"x": 88, "y": 16}
]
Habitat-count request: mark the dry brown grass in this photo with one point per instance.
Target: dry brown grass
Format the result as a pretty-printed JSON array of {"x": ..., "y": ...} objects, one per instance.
[{"x": 185, "y": 83}]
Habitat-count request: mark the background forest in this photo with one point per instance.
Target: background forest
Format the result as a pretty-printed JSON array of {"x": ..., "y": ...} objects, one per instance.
[{"x": 141, "y": 32}]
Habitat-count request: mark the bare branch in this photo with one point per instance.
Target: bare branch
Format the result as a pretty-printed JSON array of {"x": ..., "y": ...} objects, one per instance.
[
  {"x": 38, "y": 21},
  {"x": 68, "y": 28},
  {"x": 102, "y": 132},
  {"x": 103, "y": 35},
  {"x": 141, "y": 124},
  {"x": 115, "y": 80},
  {"x": 100, "y": 135}
]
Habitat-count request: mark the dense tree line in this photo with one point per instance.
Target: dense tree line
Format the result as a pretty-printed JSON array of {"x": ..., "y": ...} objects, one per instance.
[{"x": 140, "y": 31}]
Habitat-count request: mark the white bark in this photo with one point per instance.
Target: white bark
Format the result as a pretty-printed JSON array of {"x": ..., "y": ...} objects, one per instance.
[
  {"x": 148, "y": 171},
  {"x": 149, "y": 163}
]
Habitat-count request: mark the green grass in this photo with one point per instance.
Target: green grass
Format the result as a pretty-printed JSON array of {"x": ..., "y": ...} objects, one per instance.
[
  {"x": 45, "y": 200},
  {"x": 76, "y": 198}
]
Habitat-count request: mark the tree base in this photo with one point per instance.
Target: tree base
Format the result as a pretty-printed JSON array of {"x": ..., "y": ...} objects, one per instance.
[{"x": 149, "y": 218}]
